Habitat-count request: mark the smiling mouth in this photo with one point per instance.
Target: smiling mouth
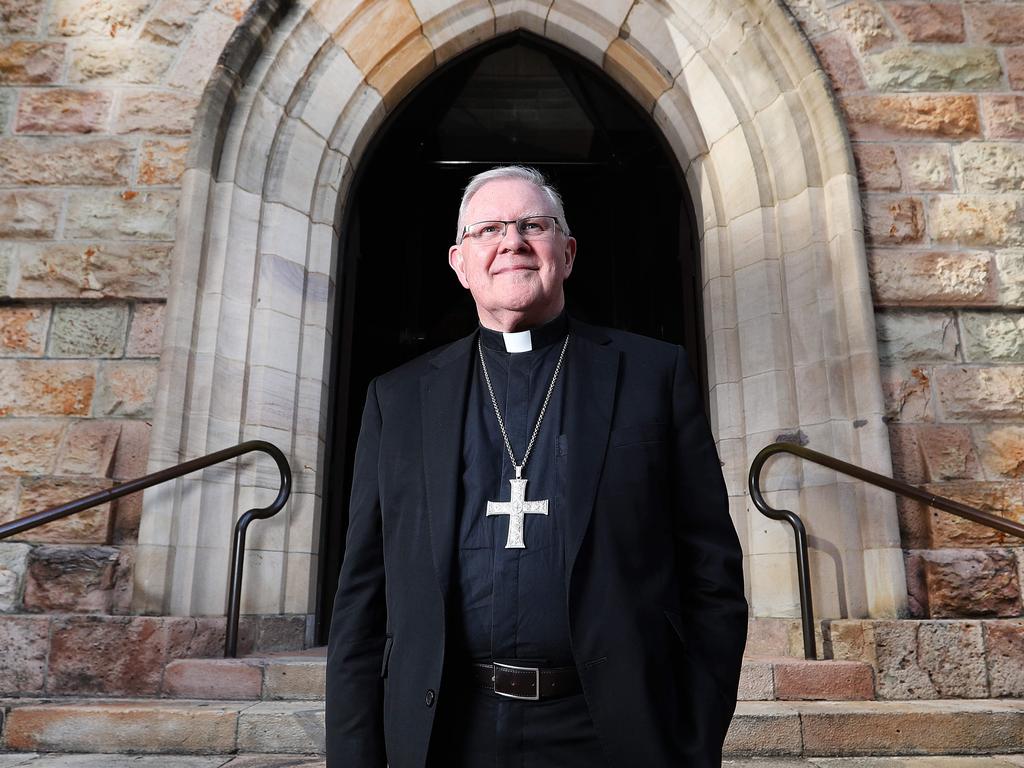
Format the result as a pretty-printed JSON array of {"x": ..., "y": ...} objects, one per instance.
[{"x": 518, "y": 268}]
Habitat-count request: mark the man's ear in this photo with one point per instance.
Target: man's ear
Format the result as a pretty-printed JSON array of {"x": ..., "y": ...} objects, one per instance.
[
  {"x": 569, "y": 254},
  {"x": 456, "y": 262}
]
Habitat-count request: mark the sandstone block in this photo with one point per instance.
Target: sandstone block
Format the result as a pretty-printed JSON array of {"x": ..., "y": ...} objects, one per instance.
[
  {"x": 993, "y": 337},
  {"x": 865, "y": 24},
  {"x": 122, "y": 270},
  {"x": 995, "y": 220},
  {"x": 840, "y": 62},
  {"x": 161, "y": 112},
  {"x": 1004, "y": 116},
  {"x": 30, "y": 160},
  {"x": 13, "y": 565},
  {"x": 89, "y": 330},
  {"x": 981, "y": 393},
  {"x": 23, "y": 331},
  {"x": 283, "y": 726},
  {"x": 62, "y": 110},
  {"x": 71, "y": 579},
  {"x": 1004, "y": 649},
  {"x": 46, "y": 387},
  {"x": 916, "y": 336},
  {"x": 948, "y": 452},
  {"x": 991, "y": 166},
  {"x": 7, "y": 101},
  {"x": 922, "y": 68},
  {"x": 971, "y": 582},
  {"x": 23, "y": 663},
  {"x": 798, "y": 680},
  {"x": 892, "y": 647},
  {"x": 29, "y": 214},
  {"x": 907, "y": 460},
  {"x": 281, "y": 633},
  {"x": 952, "y": 654},
  {"x": 764, "y": 728},
  {"x": 931, "y": 279},
  {"x": 927, "y": 167},
  {"x": 907, "y": 393},
  {"x": 917, "y": 584},
  {"x": 756, "y": 680},
  {"x": 89, "y": 527},
  {"x": 106, "y": 214},
  {"x": 1002, "y": 452},
  {"x": 109, "y": 655},
  {"x": 132, "y": 450},
  {"x": 162, "y": 162},
  {"x": 196, "y": 63},
  {"x": 1010, "y": 272},
  {"x": 912, "y": 116},
  {"x": 894, "y": 221},
  {"x": 21, "y": 17},
  {"x": 928, "y": 22},
  {"x": 232, "y": 679},
  {"x": 29, "y": 446},
  {"x": 171, "y": 21},
  {"x": 120, "y": 61},
  {"x": 299, "y": 678},
  {"x": 999, "y": 23},
  {"x": 30, "y": 63},
  {"x": 127, "y": 389},
  {"x": 145, "y": 338},
  {"x": 877, "y": 167},
  {"x": 89, "y": 448},
  {"x": 952, "y": 532},
  {"x": 96, "y": 18},
  {"x": 1014, "y": 59}
]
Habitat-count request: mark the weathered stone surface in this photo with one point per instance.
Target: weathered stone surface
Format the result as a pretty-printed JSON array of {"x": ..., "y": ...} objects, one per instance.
[
  {"x": 89, "y": 527},
  {"x": 62, "y": 110},
  {"x": 877, "y": 166},
  {"x": 907, "y": 393},
  {"x": 1000, "y": 23},
  {"x": 756, "y": 680},
  {"x": 917, "y": 584},
  {"x": 23, "y": 662},
  {"x": 161, "y": 112},
  {"x": 948, "y": 452},
  {"x": 1000, "y": 498},
  {"x": 20, "y": 17},
  {"x": 29, "y": 445},
  {"x": 874, "y": 117},
  {"x": 89, "y": 448},
  {"x": 232, "y": 679},
  {"x": 927, "y": 167},
  {"x": 931, "y": 279},
  {"x": 13, "y": 565},
  {"x": 171, "y": 20},
  {"x": 97, "y": 18},
  {"x": 145, "y": 338},
  {"x": 46, "y": 387},
  {"x": 921, "y": 68},
  {"x": 977, "y": 220},
  {"x": 7, "y": 101},
  {"x": 71, "y": 579},
  {"x": 840, "y": 62},
  {"x": 196, "y": 63},
  {"x": 980, "y": 393},
  {"x": 1002, "y": 452},
  {"x": 127, "y": 389},
  {"x": 29, "y": 214},
  {"x": 162, "y": 162},
  {"x": 115, "y": 656},
  {"x": 32, "y": 160},
  {"x": 101, "y": 213},
  {"x": 892, "y": 646},
  {"x": 132, "y": 450},
  {"x": 284, "y": 726},
  {"x": 120, "y": 61},
  {"x": 299, "y": 678},
  {"x": 865, "y": 24},
  {"x": 124, "y": 270},
  {"x": 281, "y": 633},
  {"x": 89, "y": 330},
  {"x": 971, "y": 582},
  {"x": 30, "y": 63},
  {"x": 991, "y": 166},
  {"x": 993, "y": 337},
  {"x": 23, "y": 331},
  {"x": 1010, "y": 272},
  {"x": 1004, "y": 649},
  {"x": 1014, "y": 60},
  {"x": 1004, "y": 117},
  {"x": 799, "y": 680},
  {"x": 928, "y": 22},
  {"x": 894, "y": 221},
  {"x": 916, "y": 336},
  {"x": 952, "y": 655}
]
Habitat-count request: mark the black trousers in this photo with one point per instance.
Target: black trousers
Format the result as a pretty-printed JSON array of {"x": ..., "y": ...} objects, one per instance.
[{"x": 475, "y": 728}]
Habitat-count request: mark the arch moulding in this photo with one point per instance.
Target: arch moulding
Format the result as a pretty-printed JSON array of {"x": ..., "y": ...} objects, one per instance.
[{"x": 285, "y": 120}]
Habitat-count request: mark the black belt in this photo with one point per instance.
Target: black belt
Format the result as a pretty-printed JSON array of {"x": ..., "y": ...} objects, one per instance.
[{"x": 528, "y": 683}]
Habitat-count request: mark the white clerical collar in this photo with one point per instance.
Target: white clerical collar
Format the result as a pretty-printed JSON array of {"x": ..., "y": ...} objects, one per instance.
[
  {"x": 521, "y": 341},
  {"x": 528, "y": 340}
]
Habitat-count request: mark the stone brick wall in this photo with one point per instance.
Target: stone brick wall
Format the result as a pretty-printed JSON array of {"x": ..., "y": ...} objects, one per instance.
[
  {"x": 932, "y": 92},
  {"x": 97, "y": 99}
]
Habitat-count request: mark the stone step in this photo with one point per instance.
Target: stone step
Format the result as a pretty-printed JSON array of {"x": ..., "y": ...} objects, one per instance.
[
  {"x": 787, "y": 679},
  {"x": 760, "y": 728}
]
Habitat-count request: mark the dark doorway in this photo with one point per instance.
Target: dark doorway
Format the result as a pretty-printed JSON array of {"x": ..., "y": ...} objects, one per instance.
[{"x": 517, "y": 99}]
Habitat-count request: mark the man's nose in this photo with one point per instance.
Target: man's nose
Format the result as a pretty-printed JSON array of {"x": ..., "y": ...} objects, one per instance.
[{"x": 513, "y": 239}]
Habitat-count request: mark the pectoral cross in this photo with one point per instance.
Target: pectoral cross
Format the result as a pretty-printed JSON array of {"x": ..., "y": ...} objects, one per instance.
[{"x": 517, "y": 508}]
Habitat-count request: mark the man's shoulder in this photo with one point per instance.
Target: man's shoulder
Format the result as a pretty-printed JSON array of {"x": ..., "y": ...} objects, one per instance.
[
  {"x": 412, "y": 370},
  {"x": 627, "y": 342}
]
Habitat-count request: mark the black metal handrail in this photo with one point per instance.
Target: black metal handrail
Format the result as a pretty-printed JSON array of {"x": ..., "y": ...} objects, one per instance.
[
  {"x": 171, "y": 473},
  {"x": 852, "y": 470}
]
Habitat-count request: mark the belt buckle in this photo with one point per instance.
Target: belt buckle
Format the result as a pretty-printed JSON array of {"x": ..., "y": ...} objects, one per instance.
[{"x": 536, "y": 682}]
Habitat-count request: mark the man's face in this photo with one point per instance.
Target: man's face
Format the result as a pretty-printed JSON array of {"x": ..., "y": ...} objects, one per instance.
[{"x": 516, "y": 283}]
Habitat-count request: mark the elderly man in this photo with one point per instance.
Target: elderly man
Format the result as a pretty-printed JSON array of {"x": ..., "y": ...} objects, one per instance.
[{"x": 540, "y": 568}]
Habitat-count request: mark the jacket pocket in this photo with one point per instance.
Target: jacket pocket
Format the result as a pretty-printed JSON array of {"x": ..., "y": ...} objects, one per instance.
[
  {"x": 388, "y": 643},
  {"x": 639, "y": 433}
]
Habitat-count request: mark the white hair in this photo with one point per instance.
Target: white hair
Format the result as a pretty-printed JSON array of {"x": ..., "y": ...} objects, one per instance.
[{"x": 521, "y": 172}]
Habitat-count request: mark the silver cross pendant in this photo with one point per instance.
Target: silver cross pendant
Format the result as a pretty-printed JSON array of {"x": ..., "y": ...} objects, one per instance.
[{"x": 517, "y": 508}]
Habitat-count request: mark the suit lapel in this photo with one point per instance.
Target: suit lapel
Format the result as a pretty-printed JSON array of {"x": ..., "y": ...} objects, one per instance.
[
  {"x": 592, "y": 380},
  {"x": 443, "y": 398}
]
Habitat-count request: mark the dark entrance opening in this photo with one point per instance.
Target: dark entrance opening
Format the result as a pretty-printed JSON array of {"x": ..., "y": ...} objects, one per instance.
[{"x": 518, "y": 99}]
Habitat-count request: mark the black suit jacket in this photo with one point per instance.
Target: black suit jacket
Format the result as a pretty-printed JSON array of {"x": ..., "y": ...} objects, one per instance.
[{"x": 654, "y": 585}]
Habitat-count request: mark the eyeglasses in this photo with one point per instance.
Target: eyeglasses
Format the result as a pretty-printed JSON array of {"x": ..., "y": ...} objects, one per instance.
[{"x": 529, "y": 227}]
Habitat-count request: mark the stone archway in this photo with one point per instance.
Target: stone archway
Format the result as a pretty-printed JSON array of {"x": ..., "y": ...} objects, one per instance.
[{"x": 745, "y": 106}]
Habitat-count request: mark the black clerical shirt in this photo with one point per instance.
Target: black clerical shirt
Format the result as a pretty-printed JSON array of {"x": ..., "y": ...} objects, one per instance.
[{"x": 511, "y": 603}]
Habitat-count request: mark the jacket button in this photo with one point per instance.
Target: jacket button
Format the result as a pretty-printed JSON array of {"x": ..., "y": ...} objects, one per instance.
[{"x": 429, "y": 698}]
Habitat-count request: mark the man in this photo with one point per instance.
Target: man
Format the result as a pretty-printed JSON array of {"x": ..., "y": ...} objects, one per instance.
[{"x": 540, "y": 568}]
